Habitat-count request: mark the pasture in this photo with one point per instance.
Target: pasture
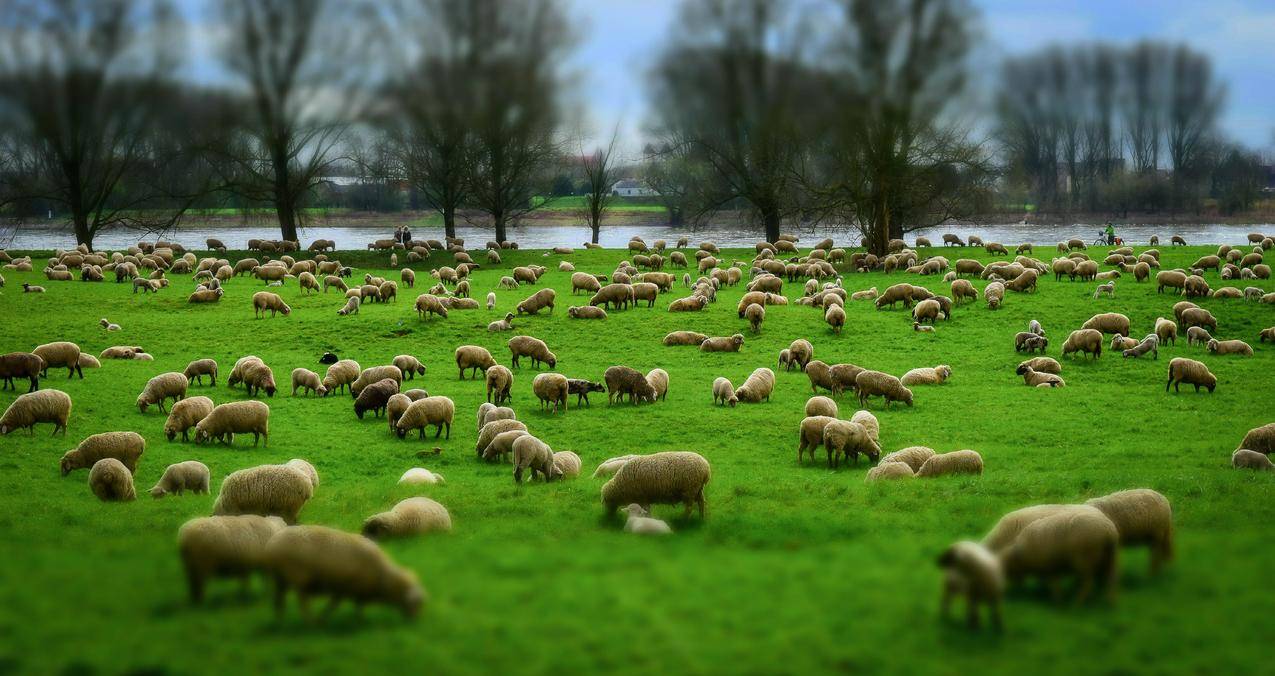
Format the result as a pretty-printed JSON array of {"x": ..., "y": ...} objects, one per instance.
[{"x": 796, "y": 569}]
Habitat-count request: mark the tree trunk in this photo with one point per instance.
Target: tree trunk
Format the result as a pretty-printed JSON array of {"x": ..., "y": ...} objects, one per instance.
[
  {"x": 83, "y": 235},
  {"x": 595, "y": 227},
  {"x": 879, "y": 228},
  {"x": 500, "y": 227},
  {"x": 287, "y": 220},
  {"x": 675, "y": 216},
  {"x": 771, "y": 219},
  {"x": 449, "y": 221}
]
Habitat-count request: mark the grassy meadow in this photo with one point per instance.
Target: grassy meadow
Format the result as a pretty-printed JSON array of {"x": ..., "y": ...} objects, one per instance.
[{"x": 797, "y": 569}]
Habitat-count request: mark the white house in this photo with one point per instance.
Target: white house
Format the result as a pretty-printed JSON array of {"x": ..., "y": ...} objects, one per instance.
[{"x": 631, "y": 187}]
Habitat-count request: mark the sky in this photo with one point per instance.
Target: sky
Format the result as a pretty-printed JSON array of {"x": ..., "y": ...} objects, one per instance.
[{"x": 618, "y": 39}]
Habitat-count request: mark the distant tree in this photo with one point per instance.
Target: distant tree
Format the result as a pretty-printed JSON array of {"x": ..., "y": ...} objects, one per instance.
[
  {"x": 671, "y": 175},
  {"x": 1238, "y": 180},
  {"x": 1194, "y": 102},
  {"x": 599, "y": 174}
]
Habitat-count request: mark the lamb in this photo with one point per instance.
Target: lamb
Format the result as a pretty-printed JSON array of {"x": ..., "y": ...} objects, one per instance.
[
  {"x": 661, "y": 478},
  {"x": 724, "y": 392},
  {"x": 684, "y": 338},
  {"x": 473, "y": 359},
  {"x": 265, "y": 300},
  {"x": 972, "y": 571},
  {"x": 21, "y": 365},
  {"x": 413, "y": 516},
  {"x": 586, "y": 312},
  {"x": 1081, "y": 542},
  {"x": 223, "y": 546},
  {"x": 1151, "y": 344},
  {"x": 61, "y": 353},
  {"x": 888, "y": 470},
  {"x": 551, "y": 389},
  {"x": 307, "y": 380},
  {"x": 500, "y": 381},
  {"x": 1223, "y": 347},
  {"x": 492, "y": 429},
  {"x": 1260, "y": 439},
  {"x": 106, "y": 324},
  {"x": 409, "y": 366},
  {"x": 375, "y": 397},
  {"x": 315, "y": 559},
  {"x": 566, "y": 465},
  {"x": 36, "y": 407},
  {"x": 1084, "y": 340},
  {"x": 1109, "y": 288},
  {"x": 639, "y": 521},
  {"x": 1246, "y": 459},
  {"x": 816, "y": 405},
  {"x": 1142, "y": 517},
  {"x": 185, "y": 414},
  {"x": 436, "y": 411},
  {"x": 927, "y": 376},
  {"x": 658, "y": 379},
  {"x": 914, "y": 457},
  {"x": 420, "y": 475},
  {"x": 197, "y": 369},
  {"x": 800, "y": 352},
  {"x": 265, "y": 490},
  {"x": 1108, "y": 322},
  {"x": 722, "y": 343},
  {"x": 1197, "y": 335},
  {"x": 875, "y": 383},
  {"x": 340, "y": 375},
  {"x": 867, "y": 294},
  {"x": 1191, "y": 372},
  {"x": 956, "y": 462},
  {"x": 610, "y": 466},
  {"x": 111, "y": 481},
  {"x": 236, "y": 417},
  {"x": 125, "y": 447},
  {"x": 179, "y": 477},
  {"x": 1026, "y": 341},
  {"x": 1034, "y": 378},
  {"x": 757, "y": 387},
  {"x": 527, "y": 346},
  {"x": 1166, "y": 330},
  {"x": 581, "y": 388},
  {"x": 375, "y": 374},
  {"x": 535, "y": 456},
  {"x": 622, "y": 380},
  {"x": 537, "y": 302},
  {"x": 88, "y": 361},
  {"x": 506, "y": 324},
  {"x": 841, "y": 437}
]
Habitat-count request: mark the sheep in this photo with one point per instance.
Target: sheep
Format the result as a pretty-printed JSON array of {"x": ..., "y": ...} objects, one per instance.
[
  {"x": 757, "y": 387},
  {"x": 254, "y": 374},
  {"x": 125, "y": 447},
  {"x": 491, "y": 429},
  {"x": 551, "y": 389},
  {"x": 755, "y": 314},
  {"x": 566, "y": 465},
  {"x": 1034, "y": 378},
  {"x": 535, "y": 456},
  {"x": 506, "y": 324},
  {"x": 375, "y": 397},
  {"x": 473, "y": 359},
  {"x": 816, "y": 405},
  {"x": 1083, "y": 542},
  {"x": 502, "y": 446},
  {"x": 875, "y": 383},
  {"x": 956, "y": 462},
  {"x": 1151, "y": 344},
  {"x": 724, "y": 393},
  {"x": 888, "y": 470},
  {"x": 913, "y": 456},
  {"x": 927, "y": 376},
  {"x": 622, "y": 380},
  {"x": 1142, "y": 517},
  {"x": 21, "y": 365},
  {"x": 429, "y": 304},
  {"x": 236, "y": 417},
  {"x": 835, "y": 316},
  {"x": 375, "y": 374},
  {"x": 340, "y": 375},
  {"x": 499, "y": 381},
  {"x": 106, "y": 324},
  {"x": 661, "y": 478},
  {"x": 36, "y": 407},
  {"x": 994, "y": 295},
  {"x": 684, "y": 338},
  {"x": 1191, "y": 372},
  {"x": 842, "y": 437},
  {"x": 179, "y": 477},
  {"x": 639, "y": 521},
  {"x": 184, "y": 415},
  {"x": 265, "y": 300},
  {"x": 265, "y": 490},
  {"x": 119, "y": 352},
  {"x": 1006, "y": 530},
  {"x": 1263, "y": 335},
  {"x": 223, "y": 546},
  {"x": 197, "y": 369},
  {"x": 1026, "y": 341},
  {"x": 436, "y": 411},
  {"x": 88, "y": 361},
  {"x": 1223, "y": 347},
  {"x": 1109, "y": 288},
  {"x": 972, "y": 571},
  {"x": 895, "y": 294},
  {"x": 1198, "y": 317},
  {"x": 1166, "y": 330},
  {"x": 1108, "y": 323},
  {"x": 527, "y": 346},
  {"x": 420, "y": 475},
  {"x": 111, "y": 481},
  {"x": 722, "y": 343},
  {"x": 688, "y": 304},
  {"x": 586, "y": 312},
  {"x": 1246, "y": 459},
  {"x": 307, "y": 380},
  {"x": 1260, "y": 439},
  {"x": 61, "y": 353},
  {"x": 31, "y": 288},
  {"x": 1085, "y": 340},
  {"x": 315, "y": 559},
  {"x": 413, "y": 516},
  {"x": 537, "y": 302},
  {"x": 926, "y": 310}
]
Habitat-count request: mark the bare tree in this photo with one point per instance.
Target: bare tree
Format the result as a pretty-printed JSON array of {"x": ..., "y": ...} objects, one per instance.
[
  {"x": 84, "y": 107},
  {"x": 1194, "y": 101},
  {"x": 669, "y": 172},
  {"x": 599, "y": 169},
  {"x": 292, "y": 59}
]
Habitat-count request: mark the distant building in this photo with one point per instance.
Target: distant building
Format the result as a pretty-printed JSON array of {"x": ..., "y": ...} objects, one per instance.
[{"x": 631, "y": 187}]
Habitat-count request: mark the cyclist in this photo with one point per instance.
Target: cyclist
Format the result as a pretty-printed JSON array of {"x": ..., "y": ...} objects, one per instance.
[{"x": 1111, "y": 234}]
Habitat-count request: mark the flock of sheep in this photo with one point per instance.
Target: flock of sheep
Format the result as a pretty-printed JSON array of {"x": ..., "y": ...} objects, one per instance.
[{"x": 253, "y": 527}]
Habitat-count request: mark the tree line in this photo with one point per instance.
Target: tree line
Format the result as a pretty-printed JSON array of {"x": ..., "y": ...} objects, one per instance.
[{"x": 854, "y": 112}]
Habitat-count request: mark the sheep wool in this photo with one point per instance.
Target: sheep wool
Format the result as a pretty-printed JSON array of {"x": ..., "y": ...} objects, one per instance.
[
  {"x": 236, "y": 417},
  {"x": 610, "y": 466},
  {"x": 266, "y": 490},
  {"x": 184, "y": 415},
  {"x": 1081, "y": 542},
  {"x": 436, "y": 411},
  {"x": 876, "y": 383},
  {"x": 1246, "y": 459},
  {"x": 724, "y": 393},
  {"x": 757, "y": 387},
  {"x": 912, "y": 456},
  {"x": 320, "y": 560},
  {"x": 224, "y": 546},
  {"x": 888, "y": 470},
  {"x": 1143, "y": 517},
  {"x": 126, "y": 447},
  {"x": 819, "y": 405},
  {"x": 421, "y": 476},
  {"x": 956, "y": 462},
  {"x": 171, "y": 385},
  {"x": 111, "y": 481},
  {"x": 668, "y": 477},
  {"x": 535, "y": 456},
  {"x": 1260, "y": 439},
  {"x": 1191, "y": 372},
  {"x": 413, "y": 516},
  {"x": 566, "y": 464},
  {"x": 972, "y": 571},
  {"x": 493, "y": 428},
  {"x": 179, "y": 477}
]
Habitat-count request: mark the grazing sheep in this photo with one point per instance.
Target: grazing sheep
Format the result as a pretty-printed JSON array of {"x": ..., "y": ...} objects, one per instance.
[
  {"x": 1198, "y": 317},
  {"x": 956, "y": 462},
  {"x": 1108, "y": 323},
  {"x": 1191, "y": 372},
  {"x": 111, "y": 481},
  {"x": 658, "y": 379},
  {"x": 1026, "y": 341},
  {"x": 410, "y": 366},
  {"x": 436, "y": 411},
  {"x": 994, "y": 295},
  {"x": 184, "y": 415},
  {"x": 419, "y": 476},
  {"x": 307, "y": 381},
  {"x": 1197, "y": 335},
  {"x": 566, "y": 465},
  {"x": 61, "y": 353},
  {"x": 413, "y": 516},
  {"x": 179, "y": 477},
  {"x": 669, "y": 477},
  {"x": 1006, "y": 530},
  {"x": 429, "y": 304},
  {"x": 1149, "y": 344},
  {"x": 842, "y": 437},
  {"x": 319, "y": 560},
  {"x": 927, "y": 376},
  {"x": 1260, "y": 439},
  {"x": 491, "y": 429},
  {"x": 913, "y": 456},
  {"x": 52, "y": 406},
  {"x": 527, "y": 346},
  {"x": 196, "y": 370},
  {"x": 125, "y": 447},
  {"x": 375, "y": 397},
  {"x": 236, "y": 417},
  {"x": 352, "y": 305},
  {"x": 340, "y": 375},
  {"x": 265, "y": 490},
  {"x": 621, "y": 380},
  {"x": 755, "y": 314},
  {"x": 224, "y": 546},
  {"x": 722, "y": 343},
  {"x": 265, "y": 300},
  {"x": 551, "y": 389},
  {"x": 537, "y": 302},
  {"x": 684, "y": 338},
  {"x": 1224, "y": 347},
  {"x": 1084, "y": 340},
  {"x": 1166, "y": 330},
  {"x": 816, "y": 405},
  {"x": 888, "y": 470},
  {"x": 1034, "y": 378},
  {"x": 21, "y": 365},
  {"x": 1247, "y": 459},
  {"x": 534, "y": 455},
  {"x": 1142, "y": 517},
  {"x": 972, "y": 571},
  {"x": 875, "y": 383},
  {"x": 610, "y": 466},
  {"x": 724, "y": 392},
  {"x": 586, "y": 312},
  {"x": 581, "y": 388},
  {"x": 1080, "y": 542},
  {"x": 499, "y": 380},
  {"x": 757, "y": 387}
]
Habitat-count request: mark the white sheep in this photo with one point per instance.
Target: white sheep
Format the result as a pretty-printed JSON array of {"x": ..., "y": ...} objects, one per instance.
[
  {"x": 639, "y": 522},
  {"x": 267, "y": 490},
  {"x": 315, "y": 559},
  {"x": 224, "y": 546},
  {"x": 413, "y": 516},
  {"x": 179, "y": 477}
]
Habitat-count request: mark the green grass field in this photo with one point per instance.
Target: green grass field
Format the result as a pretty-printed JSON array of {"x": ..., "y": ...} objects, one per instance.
[{"x": 797, "y": 569}]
